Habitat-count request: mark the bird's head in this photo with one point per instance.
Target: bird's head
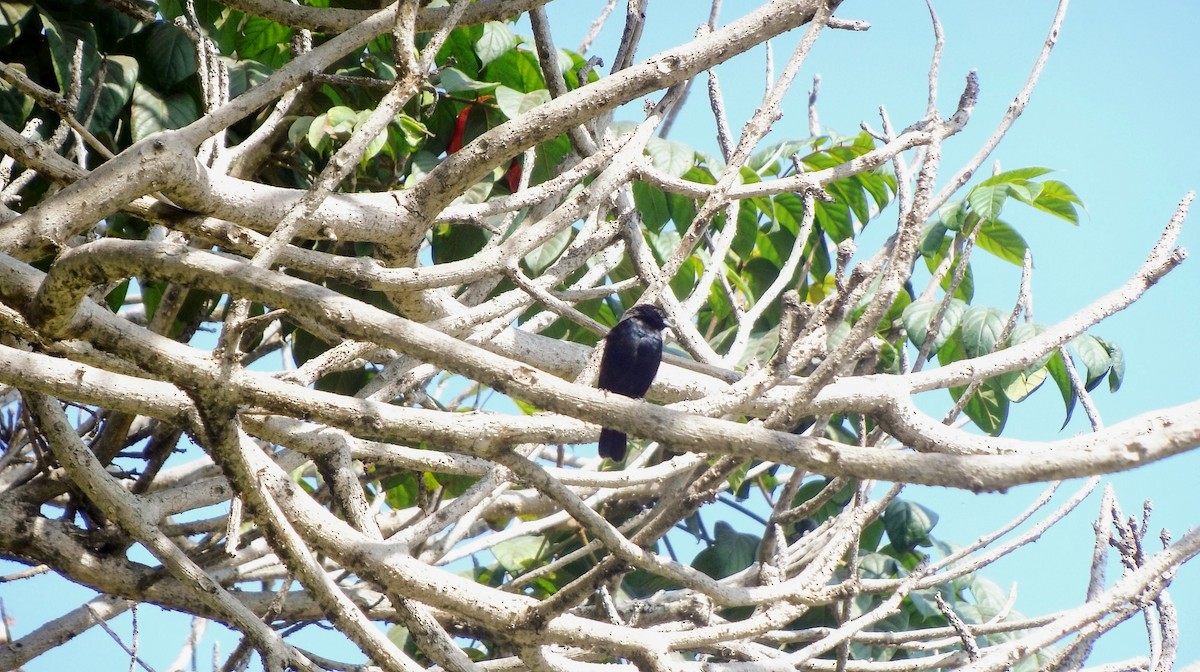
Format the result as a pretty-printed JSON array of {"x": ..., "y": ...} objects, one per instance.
[{"x": 650, "y": 315}]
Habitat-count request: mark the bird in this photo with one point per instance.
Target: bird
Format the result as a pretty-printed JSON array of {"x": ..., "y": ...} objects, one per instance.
[{"x": 632, "y": 353}]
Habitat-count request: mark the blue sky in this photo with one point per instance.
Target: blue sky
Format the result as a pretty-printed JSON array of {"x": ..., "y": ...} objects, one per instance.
[{"x": 1112, "y": 115}]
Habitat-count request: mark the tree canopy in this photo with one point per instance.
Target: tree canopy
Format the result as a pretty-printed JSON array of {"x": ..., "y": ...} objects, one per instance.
[{"x": 299, "y": 316}]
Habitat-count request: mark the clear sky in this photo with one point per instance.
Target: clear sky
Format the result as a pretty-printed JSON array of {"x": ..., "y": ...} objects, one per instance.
[{"x": 1114, "y": 115}]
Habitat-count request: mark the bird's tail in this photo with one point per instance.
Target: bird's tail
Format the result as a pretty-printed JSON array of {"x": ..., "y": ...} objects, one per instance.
[{"x": 612, "y": 444}]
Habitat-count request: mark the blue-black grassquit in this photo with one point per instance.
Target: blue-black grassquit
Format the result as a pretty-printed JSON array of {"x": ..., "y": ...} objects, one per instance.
[{"x": 632, "y": 352}]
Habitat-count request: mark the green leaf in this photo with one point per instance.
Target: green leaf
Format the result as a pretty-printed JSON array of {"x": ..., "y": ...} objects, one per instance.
[
  {"x": 1002, "y": 241},
  {"x": 1116, "y": 373},
  {"x": 880, "y": 184},
  {"x": 62, "y": 38},
  {"x": 1025, "y": 191},
  {"x": 684, "y": 282},
  {"x": 889, "y": 359},
  {"x": 1015, "y": 176},
  {"x": 265, "y": 41},
  {"x": 520, "y": 554},
  {"x": 966, "y": 287},
  {"x": 513, "y": 103},
  {"x": 933, "y": 238},
  {"x": 1059, "y": 200},
  {"x": 458, "y": 49},
  {"x": 481, "y": 190},
  {"x": 569, "y": 64},
  {"x": 918, "y": 314},
  {"x": 400, "y": 490},
  {"x": 989, "y": 598},
  {"x": 340, "y": 120},
  {"x": 15, "y": 106},
  {"x": 151, "y": 292},
  {"x": 738, "y": 484},
  {"x": 980, "y": 330},
  {"x": 837, "y": 334},
  {"x": 516, "y": 69},
  {"x": 730, "y": 552},
  {"x": 495, "y": 40},
  {"x": 834, "y": 219},
  {"x": 766, "y": 161},
  {"x": 894, "y": 317},
  {"x": 422, "y": 162},
  {"x": 745, "y": 175},
  {"x": 13, "y": 18},
  {"x": 952, "y": 216},
  {"x": 850, "y": 192},
  {"x": 548, "y": 157},
  {"x": 298, "y": 131},
  {"x": 872, "y": 535},
  {"x": 171, "y": 56},
  {"x": 908, "y": 524},
  {"x": 409, "y": 134},
  {"x": 1018, "y": 385},
  {"x": 453, "y": 80},
  {"x": 245, "y": 74},
  {"x": 832, "y": 506},
  {"x": 924, "y": 603},
  {"x": 116, "y": 298},
  {"x": 822, "y": 265},
  {"x": 1025, "y": 331},
  {"x": 120, "y": 77},
  {"x": 987, "y": 201},
  {"x": 765, "y": 249},
  {"x": 747, "y": 230},
  {"x": 153, "y": 112},
  {"x": 546, "y": 253},
  {"x": 455, "y": 242},
  {"x": 399, "y": 636},
  {"x": 1058, "y": 371},
  {"x": 987, "y": 408},
  {"x": 640, "y": 583},
  {"x": 221, "y": 24},
  {"x": 651, "y": 202},
  {"x": 316, "y": 134},
  {"x": 700, "y": 174},
  {"x": 789, "y": 212},
  {"x": 682, "y": 209},
  {"x": 1094, "y": 356},
  {"x": 663, "y": 244},
  {"x": 878, "y": 566},
  {"x": 673, "y": 158},
  {"x": 375, "y": 146}
]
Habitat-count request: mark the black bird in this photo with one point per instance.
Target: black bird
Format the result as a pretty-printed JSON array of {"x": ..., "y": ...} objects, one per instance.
[{"x": 632, "y": 354}]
